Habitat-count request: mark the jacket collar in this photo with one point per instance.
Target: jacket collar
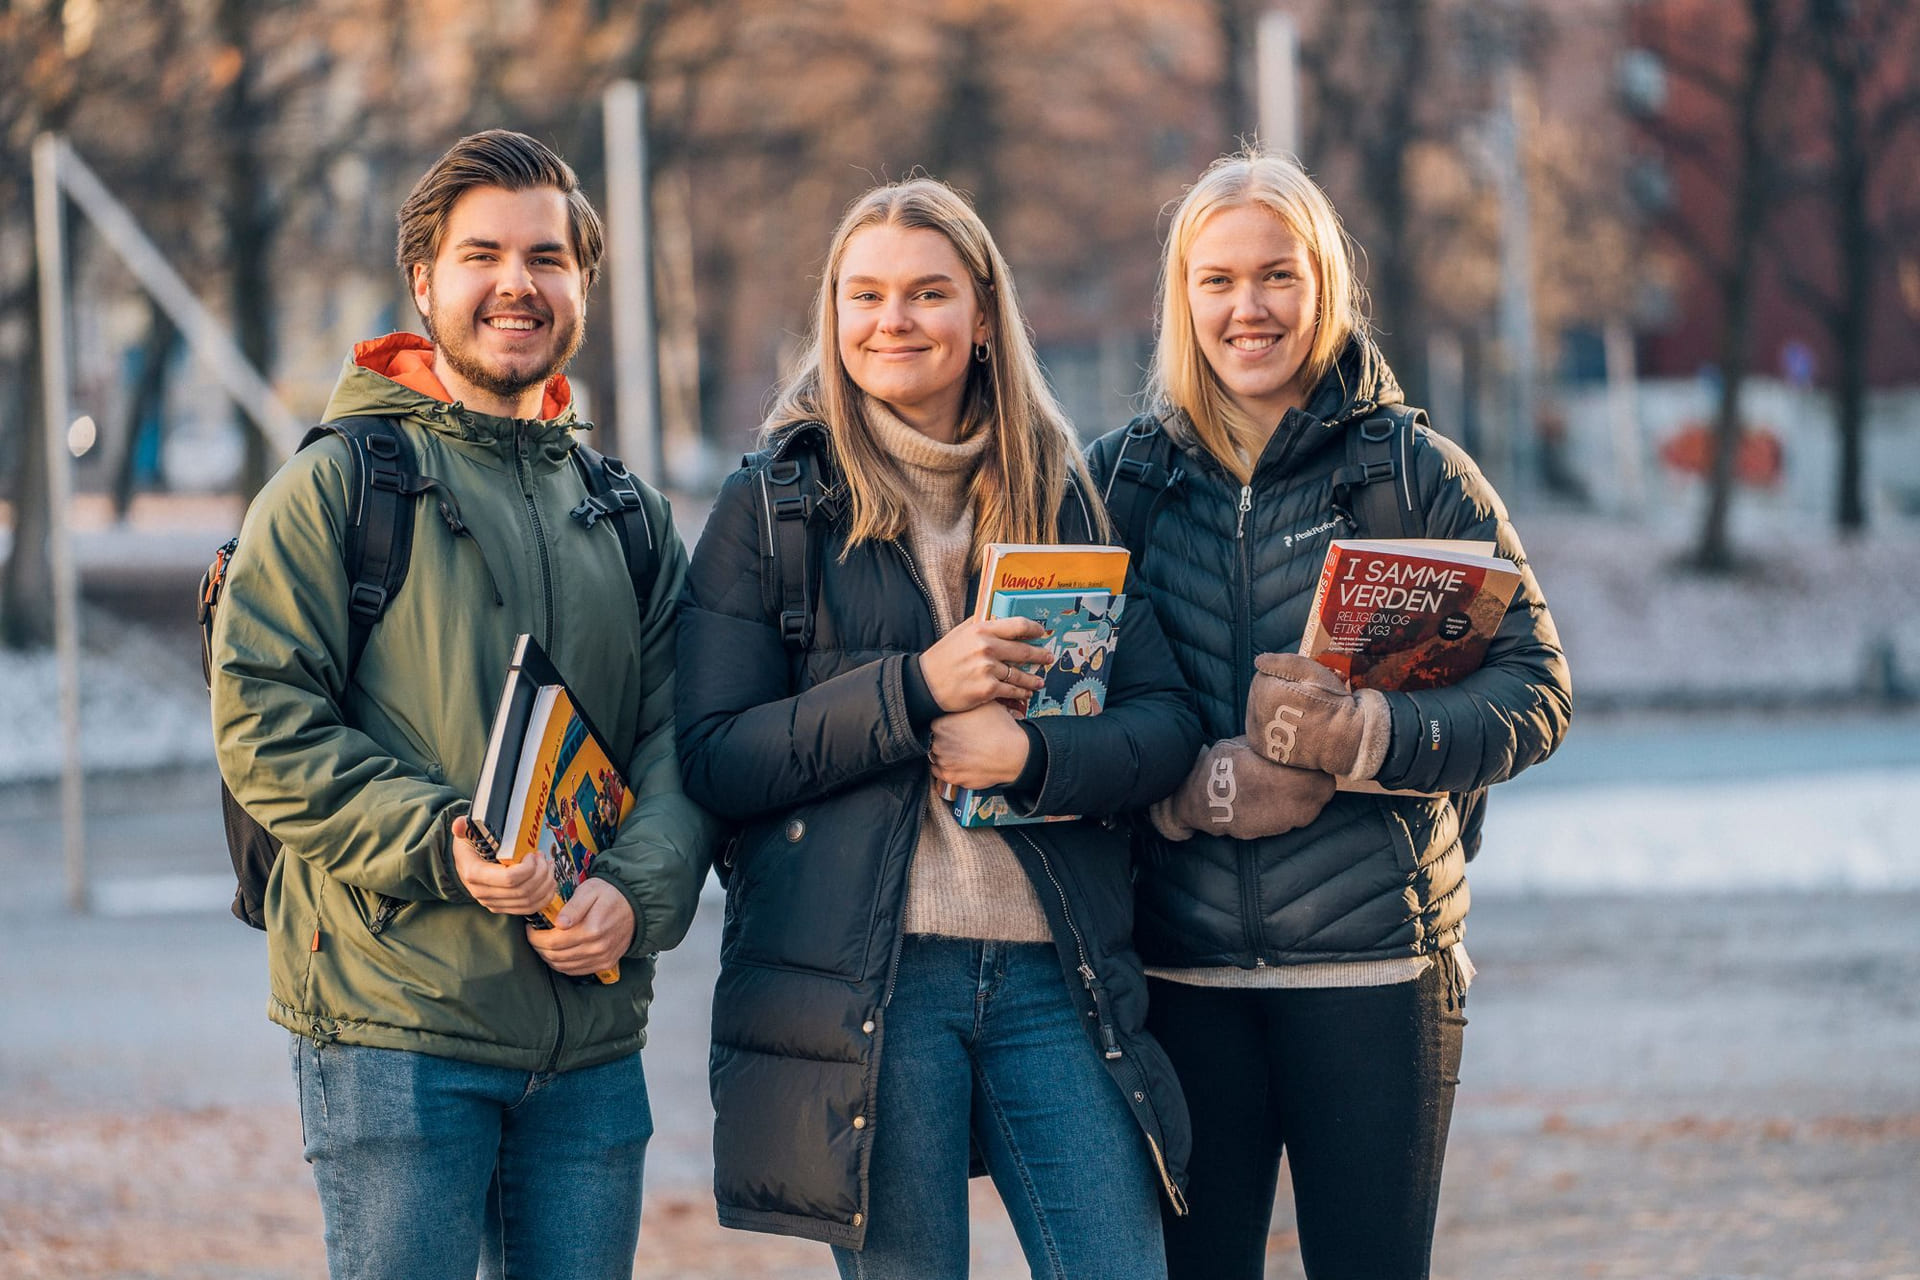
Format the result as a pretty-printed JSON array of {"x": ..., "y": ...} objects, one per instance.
[
  {"x": 393, "y": 376},
  {"x": 1358, "y": 383}
]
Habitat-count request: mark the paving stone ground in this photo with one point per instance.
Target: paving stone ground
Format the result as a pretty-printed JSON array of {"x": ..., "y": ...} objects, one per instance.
[{"x": 1696, "y": 1088}]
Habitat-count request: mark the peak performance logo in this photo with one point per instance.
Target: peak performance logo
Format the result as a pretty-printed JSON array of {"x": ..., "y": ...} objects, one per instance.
[{"x": 1288, "y": 539}]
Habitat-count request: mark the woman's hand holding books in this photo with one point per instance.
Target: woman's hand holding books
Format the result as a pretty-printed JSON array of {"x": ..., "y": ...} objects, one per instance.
[
  {"x": 980, "y": 661},
  {"x": 984, "y": 747}
]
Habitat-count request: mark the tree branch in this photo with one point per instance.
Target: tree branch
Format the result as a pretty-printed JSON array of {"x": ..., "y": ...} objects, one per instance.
[
  {"x": 1896, "y": 113},
  {"x": 1698, "y": 74},
  {"x": 1826, "y": 307},
  {"x": 1697, "y": 246}
]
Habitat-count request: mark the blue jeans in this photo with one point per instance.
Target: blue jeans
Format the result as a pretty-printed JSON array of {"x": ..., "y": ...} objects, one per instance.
[
  {"x": 982, "y": 1043},
  {"x": 429, "y": 1167}
]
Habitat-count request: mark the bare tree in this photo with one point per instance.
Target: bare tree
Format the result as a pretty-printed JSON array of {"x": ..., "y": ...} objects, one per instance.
[
  {"x": 1862, "y": 53},
  {"x": 276, "y": 128},
  {"x": 1735, "y": 75}
]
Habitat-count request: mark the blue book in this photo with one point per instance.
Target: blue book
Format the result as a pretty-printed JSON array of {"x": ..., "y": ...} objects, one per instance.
[{"x": 1083, "y": 628}]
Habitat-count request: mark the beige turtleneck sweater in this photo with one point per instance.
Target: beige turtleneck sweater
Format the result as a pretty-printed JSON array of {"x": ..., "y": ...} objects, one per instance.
[{"x": 965, "y": 881}]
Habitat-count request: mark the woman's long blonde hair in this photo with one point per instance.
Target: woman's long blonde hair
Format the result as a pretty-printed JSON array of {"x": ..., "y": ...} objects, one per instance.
[
  {"x": 1021, "y": 482},
  {"x": 1180, "y": 376}
]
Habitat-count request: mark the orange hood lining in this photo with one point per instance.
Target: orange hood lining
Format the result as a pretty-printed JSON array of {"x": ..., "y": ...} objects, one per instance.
[{"x": 407, "y": 358}]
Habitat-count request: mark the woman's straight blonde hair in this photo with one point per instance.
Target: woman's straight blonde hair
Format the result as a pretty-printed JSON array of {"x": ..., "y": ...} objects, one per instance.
[
  {"x": 1022, "y": 480},
  {"x": 1180, "y": 377}
]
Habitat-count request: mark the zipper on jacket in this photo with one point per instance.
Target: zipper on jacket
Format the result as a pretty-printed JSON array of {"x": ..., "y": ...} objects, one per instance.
[
  {"x": 900, "y": 925},
  {"x": 1109, "y": 1040},
  {"x": 520, "y": 440},
  {"x": 560, "y": 1023},
  {"x": 1243, "y": 652},
  {"x": 389, "y": 908},
  {"x": 900, "y": 930},
  {"x": 913, "y": 571},
  {"x": 1243, "y": 635}
]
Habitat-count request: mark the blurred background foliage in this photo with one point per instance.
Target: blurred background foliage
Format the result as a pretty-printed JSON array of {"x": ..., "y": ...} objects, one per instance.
[{"x": 1703, "y": 192}]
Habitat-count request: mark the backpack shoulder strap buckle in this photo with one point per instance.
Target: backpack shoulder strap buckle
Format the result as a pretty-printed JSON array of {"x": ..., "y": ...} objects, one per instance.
[
  {"x": 383, "y": 479},
  {"x": 613, "y": 502},
  {"x": 367, "y": 601},
  {"x": 613, "y": 492},
  {"x": 795, "y": 507},
  {"x": 791, "y": 489},
  {"x": 1363, "y": 492}
]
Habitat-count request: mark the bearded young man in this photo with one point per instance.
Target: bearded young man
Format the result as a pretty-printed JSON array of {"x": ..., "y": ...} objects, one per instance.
[{"x": 469, "y": 1094}]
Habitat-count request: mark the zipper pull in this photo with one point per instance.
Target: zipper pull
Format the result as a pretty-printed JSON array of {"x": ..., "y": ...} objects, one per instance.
[
  {"x": 1109, "y": 1042},
  {"x": 1246, "y": 505}
]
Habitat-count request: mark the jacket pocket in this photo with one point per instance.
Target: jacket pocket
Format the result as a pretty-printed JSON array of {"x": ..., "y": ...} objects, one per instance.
[
  {"x": 805, "y": 891},
  {"x": 1400, "y": 836},
  {"x": 385, "y": 910},
  {"x": 376, "y": 912},
  {"x": 1421, "y": 829}
]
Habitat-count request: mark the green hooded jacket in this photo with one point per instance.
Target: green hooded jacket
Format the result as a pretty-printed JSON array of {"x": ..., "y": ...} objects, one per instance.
[{"x": 372, "y": 938}]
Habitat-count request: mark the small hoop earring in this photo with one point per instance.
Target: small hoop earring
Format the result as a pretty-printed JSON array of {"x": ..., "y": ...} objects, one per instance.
[{"x": 982, "y": 352}]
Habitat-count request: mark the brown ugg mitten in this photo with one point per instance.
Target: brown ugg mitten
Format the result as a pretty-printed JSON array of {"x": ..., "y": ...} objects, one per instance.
[
  {"x": 1235, "y": 791},
  {"x": 1302, "y": 714}
]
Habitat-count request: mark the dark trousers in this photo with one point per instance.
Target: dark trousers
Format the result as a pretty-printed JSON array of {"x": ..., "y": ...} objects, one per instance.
[{"x": 1354, "y": 1084}]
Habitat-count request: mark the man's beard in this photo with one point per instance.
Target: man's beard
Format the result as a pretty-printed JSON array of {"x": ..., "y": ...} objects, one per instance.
[{"x": 496, "y": 379}]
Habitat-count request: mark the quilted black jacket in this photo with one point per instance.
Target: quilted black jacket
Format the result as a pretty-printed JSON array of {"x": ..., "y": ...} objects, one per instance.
[
  {"x": 816, "y": 759},
  {"x": 1231, "y": 571}
]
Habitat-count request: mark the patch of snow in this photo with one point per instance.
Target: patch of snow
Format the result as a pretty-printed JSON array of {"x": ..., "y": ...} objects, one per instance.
[
  {"x": 1810, "y": 831},
  {"x": 1808, "y": 617},
  {"x": 142, "y": 704}
]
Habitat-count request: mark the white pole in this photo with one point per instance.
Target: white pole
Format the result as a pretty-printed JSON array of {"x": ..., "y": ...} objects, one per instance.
[
  {"x": 66, "y": 611},
  {"x": 630, "y": 269},
  {"x": 1623, "y": 417},
  {"x": 1277, "y": 60},
  {"x": 1516, "y": 279},
  {"x": 1447, "y": 383}
]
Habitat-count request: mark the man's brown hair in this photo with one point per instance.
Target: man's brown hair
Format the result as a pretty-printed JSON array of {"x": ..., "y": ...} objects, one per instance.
[{"x": 495, "y": 158}]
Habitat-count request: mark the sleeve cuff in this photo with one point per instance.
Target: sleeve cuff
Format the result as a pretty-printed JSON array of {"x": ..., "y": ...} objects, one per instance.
[
  {"x": 451, "y": 887},
  {"x": 640, "y": 946},
  {"x": 1034, "y": 772},
  {"x": 921, "y": 707},
  {"x": 1023, "y": 793}
]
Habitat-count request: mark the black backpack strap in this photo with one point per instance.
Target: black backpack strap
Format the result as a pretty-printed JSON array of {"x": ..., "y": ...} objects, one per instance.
[
  {"x": 791, "y": 497},
  {"x": 1374, "y": 490},
  {"x": 382, "y": 482},
  {"x": 613, "y": 493},
  {"x": 1143, "y": 475},
  {"x": 1374, "y": 487}
]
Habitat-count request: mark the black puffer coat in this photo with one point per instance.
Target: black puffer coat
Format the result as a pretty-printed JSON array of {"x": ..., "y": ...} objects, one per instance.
[
  {"x": 1232, "y": 572},
  {"x": 817, "y": 759}
]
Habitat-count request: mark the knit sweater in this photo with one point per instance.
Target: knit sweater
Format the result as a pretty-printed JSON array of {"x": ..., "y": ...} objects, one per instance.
[{"x": 965, "y": 882}]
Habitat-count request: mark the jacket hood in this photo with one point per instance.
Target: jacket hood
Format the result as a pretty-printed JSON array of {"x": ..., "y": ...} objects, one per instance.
[
  {"x": 394, "y": 376},
  {"x": 1358, "y": 383}
]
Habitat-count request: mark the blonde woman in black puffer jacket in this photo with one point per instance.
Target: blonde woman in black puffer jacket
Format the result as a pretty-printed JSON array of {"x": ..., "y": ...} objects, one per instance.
[{"x": 1304, "y": 947}]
